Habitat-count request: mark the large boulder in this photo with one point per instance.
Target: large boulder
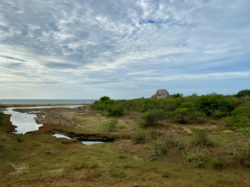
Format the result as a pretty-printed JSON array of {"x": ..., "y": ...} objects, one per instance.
[{"x": 161, "y": 93}]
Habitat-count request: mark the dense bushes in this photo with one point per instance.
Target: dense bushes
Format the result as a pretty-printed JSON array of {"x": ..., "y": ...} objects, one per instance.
[
  {"x": 190, "y": 109},
  {"x": 241, "y": 118},
  {"x": 216, "y": 105},
  {"x": 150, "y": 119},
  {"x": 243, "y": 93},
  {"x": 139, "y": 105}
]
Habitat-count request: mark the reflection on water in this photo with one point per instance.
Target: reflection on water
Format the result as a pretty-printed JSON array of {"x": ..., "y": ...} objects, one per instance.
[
  {"x": 90, "y": 142},
  {"x": 61, "y": 136},
  {"x": 83, "y": 142},
  {"x": 26, "y": 122}
]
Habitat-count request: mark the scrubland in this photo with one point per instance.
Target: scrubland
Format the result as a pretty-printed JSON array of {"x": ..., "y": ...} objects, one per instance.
[{"x": 174, "y": 141}]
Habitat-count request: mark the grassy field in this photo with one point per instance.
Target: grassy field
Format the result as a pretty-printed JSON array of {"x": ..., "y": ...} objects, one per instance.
[{"x": 168, "y": 154}]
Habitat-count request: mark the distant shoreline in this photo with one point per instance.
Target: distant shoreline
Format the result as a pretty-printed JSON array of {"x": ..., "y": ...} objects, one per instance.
[
  {"x": 43, "y": 102},
  {"x": 30, "y": 105}
]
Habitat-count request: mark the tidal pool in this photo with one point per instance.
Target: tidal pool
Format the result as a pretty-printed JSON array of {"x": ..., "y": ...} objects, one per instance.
[
  {"x": 61, "y": 136},
  {"x": 26, "y": 122},
  {"x": 57, "y": 135}
]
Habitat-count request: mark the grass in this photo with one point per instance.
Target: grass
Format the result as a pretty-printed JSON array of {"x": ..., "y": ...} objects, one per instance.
[
  {"x": 98, "y": 165},
  {"x": 201, "y": 139}
]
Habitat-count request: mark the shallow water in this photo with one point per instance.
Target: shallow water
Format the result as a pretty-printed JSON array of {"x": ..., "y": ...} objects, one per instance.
[
  {"x": 26, "y": 122},
  {"x": 46, "y": 101},
  {"x": 83, "y": 142},
  {"x": 60, "y": 136},
  {"x": 90, "y": 142}
]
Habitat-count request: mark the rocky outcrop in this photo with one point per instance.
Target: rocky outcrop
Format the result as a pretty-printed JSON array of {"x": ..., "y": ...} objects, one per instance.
[{"x": 161, "y": 93}]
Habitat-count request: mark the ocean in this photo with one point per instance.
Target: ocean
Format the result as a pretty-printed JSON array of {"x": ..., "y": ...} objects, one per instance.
[{"x": 46, "y": 101}]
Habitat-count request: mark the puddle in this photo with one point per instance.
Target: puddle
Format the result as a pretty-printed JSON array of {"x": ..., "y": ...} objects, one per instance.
[
  {"x": 26, "y": 122},
  {"x": 83, "y": 142},
  {"x": 60, "y": 136},
  {"x": 90, "y": 142}
]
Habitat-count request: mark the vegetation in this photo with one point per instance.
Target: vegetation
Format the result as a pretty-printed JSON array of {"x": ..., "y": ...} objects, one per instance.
[
  {"x": 111, "y": 125},
  {"x": 139, "y": 136},
  {"x": 243, "y": 93},
  {"x": 159, "y": 149},
  {"x": 201, "y": 139},
  {"x": 234, "y": 110},
  {"x": 151, "y": 118},
  {"x": 175, "y": 141},
  {"x": 195, "y": 155}
]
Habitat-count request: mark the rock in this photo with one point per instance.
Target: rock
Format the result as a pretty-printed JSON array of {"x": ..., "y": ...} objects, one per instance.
[{"x": 161, "y": 93}]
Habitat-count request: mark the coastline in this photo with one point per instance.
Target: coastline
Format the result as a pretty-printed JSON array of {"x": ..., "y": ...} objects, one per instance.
[{"x": 31, "y": 105}]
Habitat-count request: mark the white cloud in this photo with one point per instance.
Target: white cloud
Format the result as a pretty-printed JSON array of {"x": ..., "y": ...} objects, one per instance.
[{"x": 131, "y": 42}]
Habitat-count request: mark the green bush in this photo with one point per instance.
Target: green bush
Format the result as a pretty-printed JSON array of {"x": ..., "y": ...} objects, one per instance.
[
  {"x": 211, "y": 103},
  {"x": 103, "y": 103},
  {"x": 159, "y": 149},
  {"x": 241, "y": 118},
  {"x": 194, "y": 155},
  {"x": 244, "y": 131},
  {"x": 201, "y": 139},
  {"x": 151, "y": 118},
  {"x": 177, "y": 95},
  {"x": 243, "y": 93},
  {"x": 181, "y": 115},
  {"x": 116, "y": 110}
]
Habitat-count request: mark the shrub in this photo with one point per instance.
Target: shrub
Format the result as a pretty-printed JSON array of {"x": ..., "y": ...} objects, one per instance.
[
  {"x": 151, "y": 118},
  {"x": 241, "y": 152},
  {"x": 244, "y": 131},
  {"x": 194, "y": 155},
  {"x": 211, "y": 103},
  {"x": 177, "y": 95},
  {"x": 116, "y": 110},
  {"x": 187, "y": 111},
  {"x": 103, "y": 103},
  {"x": 201, "y": 139},
  {"x": 139, "y": 136},
  {"x": 243, "y": 93},
  {"x": 105, "y": 99},
  {"x": 180, "y": 115},
  {"x": 241, "y": 118},
  {"x": 242, "y": 110},
  {"x": 159, "y": 149},
  {"x": 111, "y": 125}
]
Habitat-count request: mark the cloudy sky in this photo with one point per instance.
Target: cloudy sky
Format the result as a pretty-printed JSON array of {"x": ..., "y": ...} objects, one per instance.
[{"x": 123, "y": 48}]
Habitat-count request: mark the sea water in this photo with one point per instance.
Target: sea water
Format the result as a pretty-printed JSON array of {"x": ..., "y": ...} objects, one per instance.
[
  {"x": 45, "y": 101},
  {"x": 26, "y": 122}
]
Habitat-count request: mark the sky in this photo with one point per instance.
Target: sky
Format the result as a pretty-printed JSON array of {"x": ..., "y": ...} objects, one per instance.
[{"x": 84, "y": 49}]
